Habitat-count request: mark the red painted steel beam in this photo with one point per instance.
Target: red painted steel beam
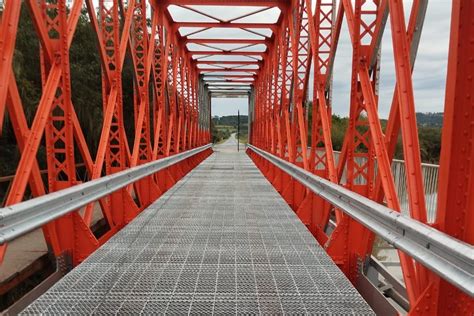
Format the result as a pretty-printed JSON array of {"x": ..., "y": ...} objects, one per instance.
[
  {"x": 225, "y": 41},
  {"x": 39, "y": 123},
  {"x": 218, "y": 86},
  {"x": 234, "y": 89},
  {"x": 226, "y": 53},
  {"x": 406, "y": 99},
  {"x": 73, "y": 234},
  {"x": 227, "y": 62},
  {"x": 231, "y": 76},
  {"x": 225, "y": 25},
  {"x": 232, "y": 67},
  {"x": 230, "y": 91},
  {"x": 9, "y": 24},
  {"x": 230, "y": 70},
  {"x": 230, "y": 80},
  {"x": 455, "y": 208},
  {"x": 363, "y": 98},
  {"x": 258, "y": 3}
]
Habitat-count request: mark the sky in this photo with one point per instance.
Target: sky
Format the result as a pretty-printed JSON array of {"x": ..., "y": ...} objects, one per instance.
[
  {"x": 428, "y": 78},
  {"x": 224, "y": 106}
]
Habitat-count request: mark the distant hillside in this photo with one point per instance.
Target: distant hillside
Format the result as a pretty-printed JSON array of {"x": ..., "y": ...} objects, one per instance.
[
  {"x": 230, "y": 120},
  {"x": 424, "y": 119},
  {"x": 430, "y": 119}
]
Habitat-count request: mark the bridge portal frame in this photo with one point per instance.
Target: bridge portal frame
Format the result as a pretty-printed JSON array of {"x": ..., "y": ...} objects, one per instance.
[{"x": 178, "y": 117}]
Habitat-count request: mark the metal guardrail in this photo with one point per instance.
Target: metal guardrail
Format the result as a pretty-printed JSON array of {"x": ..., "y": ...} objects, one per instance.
[
  {"x": 21, "y": 218},
  {"x": 450, "y": 258},
  {"x": 430, "y": 180}
]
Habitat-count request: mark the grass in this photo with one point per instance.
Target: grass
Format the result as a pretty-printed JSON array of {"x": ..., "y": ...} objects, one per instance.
[{"x": 243, "y": 137}]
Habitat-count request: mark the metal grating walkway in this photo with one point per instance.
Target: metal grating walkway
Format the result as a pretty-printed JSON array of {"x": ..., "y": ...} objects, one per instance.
[{"x": 222, "y": 241}]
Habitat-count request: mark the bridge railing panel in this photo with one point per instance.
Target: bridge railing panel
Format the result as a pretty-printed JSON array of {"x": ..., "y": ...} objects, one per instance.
[{"x": 446, "y": 256}]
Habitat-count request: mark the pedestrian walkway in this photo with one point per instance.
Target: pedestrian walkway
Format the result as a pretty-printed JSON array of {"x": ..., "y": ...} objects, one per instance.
[{"x": 221, "y": 241}]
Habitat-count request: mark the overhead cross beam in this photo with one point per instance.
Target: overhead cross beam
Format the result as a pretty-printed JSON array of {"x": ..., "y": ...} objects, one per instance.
[
  {"x": 226, "y": 41},
  {"x": 226, "y": 53},
  {"x": 256, "y": 3},
  {"x": 228, "y": 62},
  {"x": 226, "y": 25}
]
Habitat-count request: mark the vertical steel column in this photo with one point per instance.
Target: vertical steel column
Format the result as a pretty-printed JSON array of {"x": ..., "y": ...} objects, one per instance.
[
  {"x": 455, "y": 214},
  {"x": 172, "y": 97},
  {"x": 159, "y": 81},
  {"x": 8, "y": 30},
  {"x": 314, "y": 211},
  {"x": 113, "y": 145},
  {"x": 142, "y": 54}
]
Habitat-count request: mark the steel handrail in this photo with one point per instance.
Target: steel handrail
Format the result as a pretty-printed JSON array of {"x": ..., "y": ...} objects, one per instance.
[
  {"x": 450, "y": 258},
  {"x": 19, "y": 219}
]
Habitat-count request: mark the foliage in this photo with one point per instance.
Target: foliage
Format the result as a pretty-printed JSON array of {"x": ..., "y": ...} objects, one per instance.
[
  {"x": 430, "y": 119},
  {"x": 224, "y": 126},
  {"x": 429, "y": 134},
  {"x": 219, "y": 133},
  {"x": 338, "y": 131},
  {"x": 230, "y": 120},
  {"x": 430, "y": 143},
  {"x": 85, "y": 81},
  {"x": 26, "y": 69}
]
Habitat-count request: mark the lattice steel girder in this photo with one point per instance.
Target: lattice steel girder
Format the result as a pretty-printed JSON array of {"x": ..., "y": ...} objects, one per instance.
[
  {"x": 209, "y": 71},
  {"x": 10, "y": 18},
  {"x": 56, "y": 78},
  {"x": 414, "y": 28},
  {"x": 230, "y": 80},
  {"x": 322, "y": 39},
  {"x": 228, "y": 62},
  {"x": 258, "y": 3},
  {"x": 226, "y": 25},
  {"x": 225, "y": 41},
  {"x": 142, "y": 57},
  {"x": 41, "y": 118},
  {"x": 226, "y": 53},
  {"x": 181, "y": 117},
  {"x": 230, "y": 95},
  {"x": 365, "y": 28},
  {"x": 113, "y": 151},
  {"x": 228, "y": 90},
  {"x": 455, "y": 213},
  {"x": 55, "y": 73},
  {"x": 214, "y": 85},
  {"x": 406, "y": 99},
  {"x": 230, "y": 76},
  {"x": 363, "y": 98}
]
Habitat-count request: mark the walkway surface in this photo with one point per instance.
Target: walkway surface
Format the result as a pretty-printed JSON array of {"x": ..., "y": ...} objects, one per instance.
[{"x": 221, "y": 241}]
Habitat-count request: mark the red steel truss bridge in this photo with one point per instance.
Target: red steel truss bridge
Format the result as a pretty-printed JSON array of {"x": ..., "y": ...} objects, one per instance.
[{"x": 283, "y": 228}]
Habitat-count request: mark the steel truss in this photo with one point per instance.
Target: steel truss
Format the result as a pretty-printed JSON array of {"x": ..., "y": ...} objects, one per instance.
[
  {"x": 307, "y": 41},
  {"x": 175, "y": 121},
  {"x": 175, "y": 75}
]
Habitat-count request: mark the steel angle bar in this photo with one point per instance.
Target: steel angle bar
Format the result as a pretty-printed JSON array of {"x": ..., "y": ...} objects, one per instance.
[
  {"x": 21, "y": 218},
  {"x": 450, "y": 258}
]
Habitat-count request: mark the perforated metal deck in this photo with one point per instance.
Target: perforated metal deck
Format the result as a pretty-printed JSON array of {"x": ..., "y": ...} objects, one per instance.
[{"x": 222, "y": 241}]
